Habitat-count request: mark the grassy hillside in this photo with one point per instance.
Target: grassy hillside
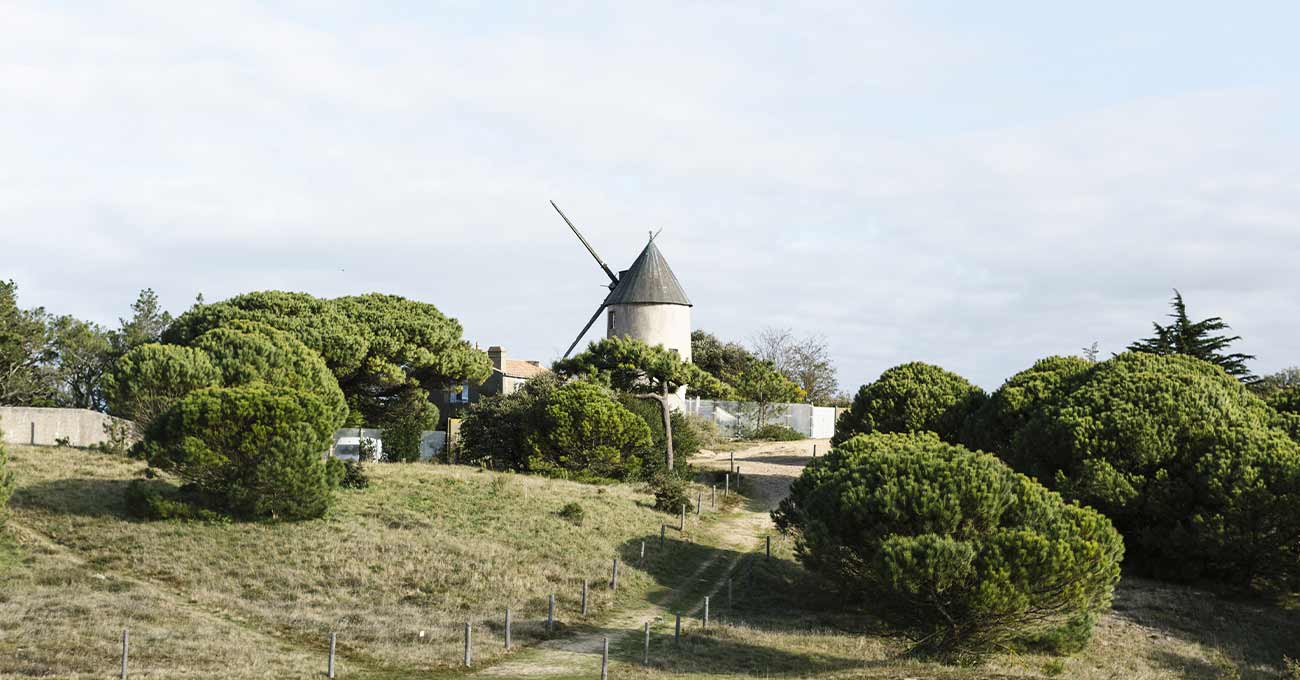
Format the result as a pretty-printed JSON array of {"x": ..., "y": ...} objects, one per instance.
[
  {"x": 429, "y": 547},
  {"x": 425, "y": 548}
]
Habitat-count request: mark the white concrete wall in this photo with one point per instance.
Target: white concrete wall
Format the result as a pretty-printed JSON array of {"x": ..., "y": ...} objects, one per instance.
[
  {"x": 431, "y": 442},
  {"x": 667, "y": 325},
  {"x": 43, "y": 426},
  {"x": 817, "y": 422}
]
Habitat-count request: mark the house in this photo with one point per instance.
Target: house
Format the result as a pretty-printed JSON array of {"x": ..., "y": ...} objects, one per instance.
[{"x": 508, "y": 375}]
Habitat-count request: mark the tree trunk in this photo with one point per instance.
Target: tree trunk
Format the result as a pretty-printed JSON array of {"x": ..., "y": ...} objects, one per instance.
[{"x": 668, "y": 426}]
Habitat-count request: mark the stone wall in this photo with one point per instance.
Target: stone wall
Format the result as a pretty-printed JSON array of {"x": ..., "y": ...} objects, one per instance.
[{"x": 45, "y": 426}]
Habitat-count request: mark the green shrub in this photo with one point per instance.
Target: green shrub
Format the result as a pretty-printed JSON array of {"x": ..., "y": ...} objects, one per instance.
[
  {"x": 671, "y": 491},
  {"x": 573, "y": 514},
  {"x": 952, "y": 547},
  {"x": 494, "y": 432},
  {"x": 246, "y": 352},
  {"x": 160, "y": 501},
  {"x": 1183, "y": 459},
  {"x": 586, "y": 434},
  {"x": 777, "y": 433},
  {"x": 346, "y": 474},
  {"x": 913, "y": 397},
  {"x": 1285, "y": 400},
  {"x": 707, "y": 431},
  {"x": 257, "y": 449},
  {"x": 147, "y": 380},
  {"x": 575, "y": 430},
  {"x": 686, "y": 437},
  {"x": 407, "y": 421},
  {"x": 1024, "y": 395}
]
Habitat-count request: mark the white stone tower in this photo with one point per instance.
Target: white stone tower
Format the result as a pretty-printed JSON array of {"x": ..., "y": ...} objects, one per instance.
[
  {"x": 648, "y": 304},
  {"x": 645, "y": 301}
]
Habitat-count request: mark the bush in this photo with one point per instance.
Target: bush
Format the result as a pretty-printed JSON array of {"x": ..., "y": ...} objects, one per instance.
[
  {"x": 345, "y": 474},
  {"x": 257, "y": 449},
  {"x": 573, "y": 514},
  {"x": 586, "y": 434},
  {"x": 686, "y": 438},
  {"x": 408, "y": 420},
  {"x": 147, "y": 380},
  {"x": 495, "y": 432},
  {"x": 914, "y": 397},
  {"x": 1183, "y": 459},
  {"x": 1024, "y": 395},
  {"x": 777, "y": 433},
  {"x": 159, "y": 501},
  {"x": 246, "y": 352},
  {"x": 952, "y": 547},
  {"x": 707, "y": 431},
  {"x": 671, "y": 491}
]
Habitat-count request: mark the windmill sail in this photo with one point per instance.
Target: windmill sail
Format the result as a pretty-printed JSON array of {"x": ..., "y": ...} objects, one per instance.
[{"x": 613, "y": 279}]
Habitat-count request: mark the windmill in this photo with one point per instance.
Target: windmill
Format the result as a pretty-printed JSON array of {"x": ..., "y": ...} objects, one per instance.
[{"x": 645, "y": 301}]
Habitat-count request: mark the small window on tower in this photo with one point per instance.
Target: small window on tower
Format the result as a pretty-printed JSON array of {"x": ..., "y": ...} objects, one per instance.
[{"x": 609, "y": 332}]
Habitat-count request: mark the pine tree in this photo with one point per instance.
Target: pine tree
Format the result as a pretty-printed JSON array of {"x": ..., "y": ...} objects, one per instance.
[{"x": 1196, "y": 339}]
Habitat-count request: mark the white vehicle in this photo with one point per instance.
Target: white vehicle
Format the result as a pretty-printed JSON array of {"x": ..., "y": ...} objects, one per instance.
[{"x": 351, "y": 448}]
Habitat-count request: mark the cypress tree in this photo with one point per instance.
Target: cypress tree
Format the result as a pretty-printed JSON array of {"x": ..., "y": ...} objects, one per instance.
[{"x": 1196, "y": 339}]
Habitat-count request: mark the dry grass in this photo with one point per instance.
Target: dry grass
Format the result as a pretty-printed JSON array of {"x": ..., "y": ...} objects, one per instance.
[
  {"x": 429, "y": 547},
  {"x": 425, "y": 548}
]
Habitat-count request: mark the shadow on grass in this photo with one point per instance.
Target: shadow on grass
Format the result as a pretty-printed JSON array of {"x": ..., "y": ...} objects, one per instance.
[
  {"x": 82, "y": 497},
  {"x": 1253, "y": 633}
]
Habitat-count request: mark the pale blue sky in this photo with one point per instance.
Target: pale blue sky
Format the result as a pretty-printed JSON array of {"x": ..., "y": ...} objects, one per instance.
[{"x": 971, "y": 184}]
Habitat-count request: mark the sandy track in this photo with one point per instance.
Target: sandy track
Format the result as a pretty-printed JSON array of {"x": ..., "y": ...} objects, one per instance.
[{"x": 767, "y": 469}]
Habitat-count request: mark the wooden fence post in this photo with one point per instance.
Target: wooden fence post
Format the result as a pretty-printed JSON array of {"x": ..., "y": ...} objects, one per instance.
[
  {"x": 677, "y": 630},
  {"x": 508, "y": 629},
  {"x": 713, "y": 497},
  {"x": 550, "y": 614},
  {"x": 329, "y": 667},
  {"x": 604, "y": 661},
  {"x": 814, "y": 452},
  {"x": 469, "y": 655},
  {"x": 613, "y": 580},
  {"x": 769, "y": 546},
  {"x": 699, "y": 503},
  {"x": 126, "y": 634},
  {"x": 642, "y": 551},
  {"x": 738, "y": 478},
  {"x": 645, "y": 658},
  {"x": 726, "y": 485},
  {"x": 706, "y": 611},
  {"x": 733, "y": 462},
  {"x": 661, "y": 534},
  {"x": 584, "y": 597}
]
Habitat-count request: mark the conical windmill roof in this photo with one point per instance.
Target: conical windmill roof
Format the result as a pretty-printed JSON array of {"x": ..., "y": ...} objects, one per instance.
[{"x": 648, "y": 281}]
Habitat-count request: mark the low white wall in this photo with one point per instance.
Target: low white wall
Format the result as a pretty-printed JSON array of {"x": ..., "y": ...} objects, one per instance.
[
  {"x": 817, "y": 422},
  {"x": 44, "y": 426},
  {"x": 431, "y": 442}
]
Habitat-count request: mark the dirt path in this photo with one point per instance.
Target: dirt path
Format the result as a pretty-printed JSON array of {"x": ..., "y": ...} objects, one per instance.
[{"x": 767, "y": 469}]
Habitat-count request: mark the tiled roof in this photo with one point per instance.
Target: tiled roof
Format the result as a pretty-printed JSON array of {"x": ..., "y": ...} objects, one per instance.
[{"x": 519, "y": 368}]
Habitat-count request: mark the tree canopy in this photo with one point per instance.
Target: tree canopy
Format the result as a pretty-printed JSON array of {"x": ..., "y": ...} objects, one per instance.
[
  {"x": 632, "y": 366},
  {"x": 377, "y": 346},
  {"x": 1196, "y": 339},
  {"x": 953, "y": 547},
  {"x": 1182, "y": 457},
  {"x": 911, "y": 397}
]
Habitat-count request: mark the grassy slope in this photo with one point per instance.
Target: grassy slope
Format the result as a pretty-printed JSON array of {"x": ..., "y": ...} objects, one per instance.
[
  {"x": 425, "y": 548},
  {"x": 428, "y": 547}
]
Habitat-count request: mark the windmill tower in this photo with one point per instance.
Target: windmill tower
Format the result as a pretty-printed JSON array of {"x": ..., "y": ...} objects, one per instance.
[{"x": 645, "y": 301}]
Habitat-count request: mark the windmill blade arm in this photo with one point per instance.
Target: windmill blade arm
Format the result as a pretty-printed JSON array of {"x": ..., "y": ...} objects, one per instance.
[
  {"x": 586, "y": 328},
  {"x": 591, "y": 250}
]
